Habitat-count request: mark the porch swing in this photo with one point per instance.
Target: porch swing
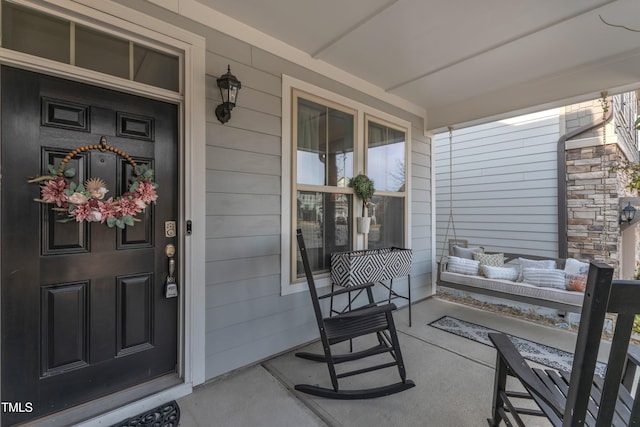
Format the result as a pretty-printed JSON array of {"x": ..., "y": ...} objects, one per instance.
[{"x": 456, "y": 272}]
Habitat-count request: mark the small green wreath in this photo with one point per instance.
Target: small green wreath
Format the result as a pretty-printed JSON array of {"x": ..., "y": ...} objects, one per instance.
[{"x": 364, "y": 189}]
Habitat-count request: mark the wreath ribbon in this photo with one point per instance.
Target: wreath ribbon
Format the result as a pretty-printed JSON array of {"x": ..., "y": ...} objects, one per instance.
[{"x": 87, "y": 202}]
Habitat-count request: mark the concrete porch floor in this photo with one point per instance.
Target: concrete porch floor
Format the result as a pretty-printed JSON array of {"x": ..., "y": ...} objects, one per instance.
[{"x": 453, "y": 376}]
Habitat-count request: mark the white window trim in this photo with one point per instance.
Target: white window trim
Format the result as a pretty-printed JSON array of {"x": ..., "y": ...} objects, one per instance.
[{"x": 287, "y": 283}]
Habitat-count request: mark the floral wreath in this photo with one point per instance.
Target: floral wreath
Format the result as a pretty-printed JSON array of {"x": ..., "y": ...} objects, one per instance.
[{"x": 86, "y": 201}]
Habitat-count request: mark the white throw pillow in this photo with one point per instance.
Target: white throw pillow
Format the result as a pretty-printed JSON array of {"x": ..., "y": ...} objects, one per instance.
[
  {"x": 575, "y": 274},
  {"x": 573, "y": 266},
  {"x": 547, "y": 264},
  {"x": 505, "y": 273},
  {"x": 462, "y": 266},
  {"x": 544, "y": 278}
]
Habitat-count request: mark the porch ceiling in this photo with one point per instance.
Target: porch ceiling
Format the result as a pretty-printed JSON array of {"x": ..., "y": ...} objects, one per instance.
[{"x": 462, "y": 60}]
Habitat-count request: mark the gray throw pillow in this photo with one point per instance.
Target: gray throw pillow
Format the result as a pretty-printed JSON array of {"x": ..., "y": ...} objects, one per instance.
[{"x": 466, "y": 253}]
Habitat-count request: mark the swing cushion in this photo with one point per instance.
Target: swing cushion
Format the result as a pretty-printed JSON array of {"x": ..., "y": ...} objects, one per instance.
[
  {"x": 463, "y": 266},
  {"x": 490, "y": 284},
  {"x": 467, "y": 253}
]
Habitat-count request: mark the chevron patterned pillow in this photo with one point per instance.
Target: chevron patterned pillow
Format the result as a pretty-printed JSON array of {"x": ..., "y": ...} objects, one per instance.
[{"x": 494, "y": 260}]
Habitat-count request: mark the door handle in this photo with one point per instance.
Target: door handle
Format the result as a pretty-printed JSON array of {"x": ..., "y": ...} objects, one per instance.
[
  {"x": 172, "y": 267},
  {"x": 171, "y": 287}
]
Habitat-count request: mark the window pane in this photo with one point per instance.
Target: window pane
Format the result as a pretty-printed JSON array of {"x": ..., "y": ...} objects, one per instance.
[
  {"x": 387, "y": 222},
  {"x": 386, "y": 157},
  {"x": 34, "y": 33},
  {"x": 101, "y": 52},
  {"x": 325, "y": 145},
  {"x": 155, "y": 68},
  {"x": 326, "y": 227}
]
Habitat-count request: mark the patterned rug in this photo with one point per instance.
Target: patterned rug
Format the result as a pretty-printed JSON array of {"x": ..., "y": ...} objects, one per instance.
[{"x": 531, "y": 350}]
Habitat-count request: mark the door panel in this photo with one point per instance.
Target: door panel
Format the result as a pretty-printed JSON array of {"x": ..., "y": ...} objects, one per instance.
[
  {"x": 64, "y": 333},
  {"x": 83, "y": 308}
]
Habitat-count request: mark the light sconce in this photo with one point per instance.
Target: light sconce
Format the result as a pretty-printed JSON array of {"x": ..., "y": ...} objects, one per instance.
[
  {"x": 229, "y": 87},
  {"x": 627, "y": 214}
]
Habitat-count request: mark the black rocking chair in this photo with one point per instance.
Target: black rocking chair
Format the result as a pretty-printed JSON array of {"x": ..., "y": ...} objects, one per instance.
[
  {"x": 365, "y": 320},
  {"x": 581, "y": 397}
]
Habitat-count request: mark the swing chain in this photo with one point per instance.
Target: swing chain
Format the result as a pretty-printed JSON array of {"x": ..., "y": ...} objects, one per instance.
[{"x": 450, "y": 221}]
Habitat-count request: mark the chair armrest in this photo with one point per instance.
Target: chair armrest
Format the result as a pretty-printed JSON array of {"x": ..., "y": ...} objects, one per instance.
[
  {"x": 443, "y": 263},
  {"x": 519, "y": 368},
  {"x": 363, "y": 312},
  {"x": 347, "y": 289},
  {"x": 631, "y": 366}
]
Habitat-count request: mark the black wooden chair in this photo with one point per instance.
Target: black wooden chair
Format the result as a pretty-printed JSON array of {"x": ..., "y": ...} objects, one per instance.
[
  {"x": 581, "y": 397},
  {"x": 368, "y": 319}
]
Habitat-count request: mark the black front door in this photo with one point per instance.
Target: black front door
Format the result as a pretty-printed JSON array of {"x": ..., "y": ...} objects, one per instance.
[{"x": 84, "y": 312}]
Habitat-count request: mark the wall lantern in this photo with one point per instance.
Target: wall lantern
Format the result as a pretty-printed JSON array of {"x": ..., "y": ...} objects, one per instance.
[
  {"x": 229, "y": 87},
  {"x": 627, "y": 214}
]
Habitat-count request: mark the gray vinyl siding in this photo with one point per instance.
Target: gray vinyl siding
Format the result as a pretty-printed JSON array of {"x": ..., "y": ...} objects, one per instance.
[
  {"x": 247, "y": 320},
  {"x": 421, "y": 218},
  {"x": 504, "y": 185}
]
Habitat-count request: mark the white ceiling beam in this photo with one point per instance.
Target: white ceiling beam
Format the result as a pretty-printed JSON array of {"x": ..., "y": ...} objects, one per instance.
[
  {"x": 354, "y": 27},
  {"x": 488, "y": 49}
]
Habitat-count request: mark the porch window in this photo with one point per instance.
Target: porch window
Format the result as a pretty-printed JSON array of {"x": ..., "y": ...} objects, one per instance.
[
  {"x": 324, "y": 163},
  {"x": 331, "y": 143},
  {"x": 386, "y": 159}
]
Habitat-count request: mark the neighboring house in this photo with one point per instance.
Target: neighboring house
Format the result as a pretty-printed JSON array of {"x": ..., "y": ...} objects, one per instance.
[
  {"x": 506, "y": 192},
  {"x": 503, "y": 184},
  {"x": 596, "y": 192}
]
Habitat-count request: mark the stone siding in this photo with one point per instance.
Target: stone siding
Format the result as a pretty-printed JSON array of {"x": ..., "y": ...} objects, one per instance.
[
  {"x": 592, "y": 203},
  {"x": 593, "y": 185}
]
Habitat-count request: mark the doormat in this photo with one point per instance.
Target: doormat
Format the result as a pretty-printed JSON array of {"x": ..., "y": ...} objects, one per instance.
[
  {"x": 531, "y": 350},
  {"x": 167, "y": 415}
]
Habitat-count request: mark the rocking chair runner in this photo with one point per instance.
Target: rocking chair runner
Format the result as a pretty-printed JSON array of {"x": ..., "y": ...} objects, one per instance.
[
  {"x": 580, "y": 397},
  {"x": 369, "y": 319}
]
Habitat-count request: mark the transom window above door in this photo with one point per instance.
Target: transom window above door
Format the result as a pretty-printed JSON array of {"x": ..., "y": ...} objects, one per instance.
[{"x": 46, "y": 36}]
